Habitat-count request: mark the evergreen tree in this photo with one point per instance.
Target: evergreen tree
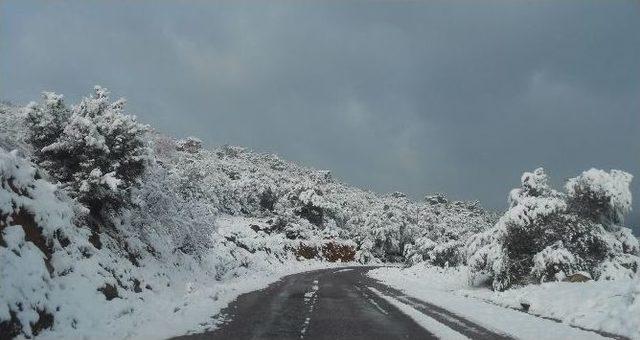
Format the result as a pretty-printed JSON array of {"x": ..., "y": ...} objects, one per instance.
[{"x": 97, "y": 151}]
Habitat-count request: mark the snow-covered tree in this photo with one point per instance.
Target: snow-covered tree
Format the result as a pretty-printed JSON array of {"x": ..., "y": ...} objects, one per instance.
[
  {"x": 540, "y": 238},
  {"x": 99, "y": 153}
]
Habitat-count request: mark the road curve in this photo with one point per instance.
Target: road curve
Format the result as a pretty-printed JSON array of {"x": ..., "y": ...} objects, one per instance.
[{"x": 333, "y": 303}]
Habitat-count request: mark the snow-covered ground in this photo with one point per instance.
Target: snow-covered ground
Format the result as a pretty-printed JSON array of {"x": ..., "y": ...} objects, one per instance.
[
  {"x": 192, "y": 300},
  {"x": 190, "y": 307},
  {"x": 608, "y": 306},
  {"x": 101, "y": 292},
  {"x": 195, "y": 308}
]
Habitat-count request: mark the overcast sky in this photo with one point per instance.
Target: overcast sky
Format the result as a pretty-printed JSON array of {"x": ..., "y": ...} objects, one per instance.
[{"x": 415, "y": 96}]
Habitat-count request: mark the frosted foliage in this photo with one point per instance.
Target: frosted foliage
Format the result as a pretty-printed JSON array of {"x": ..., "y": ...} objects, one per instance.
[
  {"x": 605, "y": 195},
  {"x": 187, "y": 224},
  {"x": 53, "y": 277},
  {"x": 46, "y": 121},
  {"x": 233, "y": 180},
  {"x": 546, "y": 235},
  {"x": 533, "y": 184},
  {"x": 554, "y": 263},
  {"x": 96, "y": 149},
  {"x": 13, "y": 131},
  {"x": 530, "y": 209}
]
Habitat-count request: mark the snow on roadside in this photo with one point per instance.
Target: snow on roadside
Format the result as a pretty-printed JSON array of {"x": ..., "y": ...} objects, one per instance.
[
  {"x": 609, "y": 306},
  {"x": 200, "y": 306},
  {"x": 200, "y": 303},
  {"x": 597, "y": 307}
]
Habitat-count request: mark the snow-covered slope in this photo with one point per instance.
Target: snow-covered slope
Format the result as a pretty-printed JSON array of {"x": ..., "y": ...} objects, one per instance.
[
  {"x": 105, "y": 222},
  {"x": 93, "y": 247},
  {"x": 58, "y": 282}
]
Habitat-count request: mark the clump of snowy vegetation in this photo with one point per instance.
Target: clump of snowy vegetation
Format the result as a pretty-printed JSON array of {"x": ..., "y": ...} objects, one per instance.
[
  {"x": 94, "y": 149},
  {"x": 547, "y": 235}
]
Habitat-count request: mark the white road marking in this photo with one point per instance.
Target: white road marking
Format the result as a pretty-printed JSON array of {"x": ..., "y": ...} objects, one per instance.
[
  {"x": 343, "y": 270},
  {"x": 436, "y": 328},
  {"x": 310, "y": 298}
]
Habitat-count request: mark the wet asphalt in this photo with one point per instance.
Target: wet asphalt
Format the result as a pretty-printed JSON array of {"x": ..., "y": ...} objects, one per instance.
[{"x": 331, "y": 304}]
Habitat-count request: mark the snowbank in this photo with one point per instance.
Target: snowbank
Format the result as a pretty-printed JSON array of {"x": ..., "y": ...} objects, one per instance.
[{"x": 607, "y": 306}]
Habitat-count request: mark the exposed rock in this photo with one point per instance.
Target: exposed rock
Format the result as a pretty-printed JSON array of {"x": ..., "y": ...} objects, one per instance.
[{"x": 577, "y": 277}]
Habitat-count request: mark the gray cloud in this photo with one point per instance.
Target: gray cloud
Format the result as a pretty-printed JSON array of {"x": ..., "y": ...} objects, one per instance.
[{"x": 460, "y": 97}]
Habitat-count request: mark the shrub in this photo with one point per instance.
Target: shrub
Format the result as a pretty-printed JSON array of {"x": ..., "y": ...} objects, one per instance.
[
  {"x": 447, "y": 254},
  {"x": 546, "y": 236},
  {"x": 97, "y": 151}
]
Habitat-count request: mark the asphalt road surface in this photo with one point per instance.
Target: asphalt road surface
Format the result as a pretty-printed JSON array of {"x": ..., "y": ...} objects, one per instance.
[{"x": 332, "y": 304}]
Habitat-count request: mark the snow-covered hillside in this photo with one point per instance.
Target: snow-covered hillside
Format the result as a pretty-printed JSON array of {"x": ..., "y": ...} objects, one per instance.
[
  {"x": 58, "y": 281},
  {"x": 105, "y": 222},
  {"x": 110, "y": 229}
]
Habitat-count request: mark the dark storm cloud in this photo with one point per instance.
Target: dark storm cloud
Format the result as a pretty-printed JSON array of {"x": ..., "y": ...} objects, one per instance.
[{"x": 459, "y": 97}]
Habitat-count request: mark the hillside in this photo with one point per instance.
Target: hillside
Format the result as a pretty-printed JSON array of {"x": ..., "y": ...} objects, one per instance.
[
  {"x": 222, "y": 213},
  {"x": 111, "y": 229}
]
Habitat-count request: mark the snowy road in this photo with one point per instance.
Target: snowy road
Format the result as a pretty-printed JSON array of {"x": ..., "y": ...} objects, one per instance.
[
  {"x": 345, "y": 303},
  {"x": 339, "y": 304}
]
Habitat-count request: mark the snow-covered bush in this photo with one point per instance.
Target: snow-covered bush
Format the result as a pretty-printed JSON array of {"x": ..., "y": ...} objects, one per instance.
[
  {"x": 385, "y": 229},
  {"x": 306, "y": 199},
  {"x": 99, "y": 151},
  {"x": 540, "y": 238},
  {"x": 533, "y": 184},
  {"x": 159, "y": 209},
  {"x": 446, "y": 254}
]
